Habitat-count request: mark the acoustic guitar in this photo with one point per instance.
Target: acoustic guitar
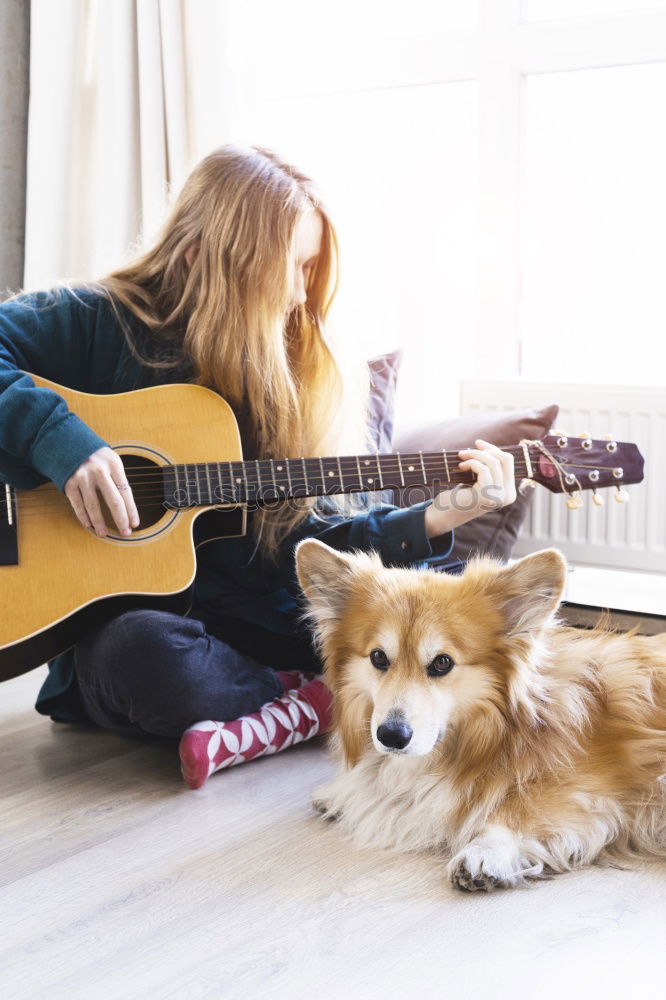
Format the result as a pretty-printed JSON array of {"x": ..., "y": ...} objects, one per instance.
[{"x": 181, "y": 450}]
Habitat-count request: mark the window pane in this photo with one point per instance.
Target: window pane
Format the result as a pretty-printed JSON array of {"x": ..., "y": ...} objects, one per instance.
[
  {"x": 550, "y": 10},
  {"x": 398, "y": 171},
  {"x": 594, "y": 296}
]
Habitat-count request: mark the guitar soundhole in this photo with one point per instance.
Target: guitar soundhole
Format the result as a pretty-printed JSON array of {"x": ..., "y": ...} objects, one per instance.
[{"x": 145, "y": 478}]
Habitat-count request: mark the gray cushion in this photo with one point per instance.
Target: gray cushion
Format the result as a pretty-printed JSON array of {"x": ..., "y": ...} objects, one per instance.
[
  {"x": 494, "y": 533},
  {"x": 384, "y": 378}
]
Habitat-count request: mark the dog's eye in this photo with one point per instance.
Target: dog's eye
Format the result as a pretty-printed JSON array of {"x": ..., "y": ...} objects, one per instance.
[
  {"x": 379, "y": 659},
  {"x": 440, "y": 665}
]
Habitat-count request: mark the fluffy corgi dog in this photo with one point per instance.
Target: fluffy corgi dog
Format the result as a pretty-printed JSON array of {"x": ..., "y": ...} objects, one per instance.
[{"x": 468, "y": 720}]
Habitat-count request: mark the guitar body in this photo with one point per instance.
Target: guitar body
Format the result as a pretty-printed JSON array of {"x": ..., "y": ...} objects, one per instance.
[{"x": 67, "y": 580}]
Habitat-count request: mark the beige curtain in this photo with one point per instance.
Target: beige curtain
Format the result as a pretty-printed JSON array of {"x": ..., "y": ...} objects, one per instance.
[{"x": 110, "y": 130}]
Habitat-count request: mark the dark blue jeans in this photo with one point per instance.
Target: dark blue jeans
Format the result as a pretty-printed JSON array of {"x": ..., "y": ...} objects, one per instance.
[{"x": 155, "y": 673}]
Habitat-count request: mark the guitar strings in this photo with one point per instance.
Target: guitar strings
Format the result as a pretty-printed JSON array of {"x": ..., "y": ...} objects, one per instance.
[
  {"x": 466, "y": 477},
  {"x": 390, "y": 459},
  {"x": 296, "y": 465},
  {"x": 197, "y": 469},
  {"x": 156, "y": 474},
  {"x": 247, "y": 478},
  {"x": 31, "y": 503}
]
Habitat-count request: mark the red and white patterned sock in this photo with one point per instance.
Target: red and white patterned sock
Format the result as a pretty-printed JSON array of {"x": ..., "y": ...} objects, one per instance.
[{"x": 294, "y": 717}]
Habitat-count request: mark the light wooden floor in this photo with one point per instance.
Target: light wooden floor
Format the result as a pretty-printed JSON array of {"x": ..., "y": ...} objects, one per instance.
[{"x": 116, "y": 881}]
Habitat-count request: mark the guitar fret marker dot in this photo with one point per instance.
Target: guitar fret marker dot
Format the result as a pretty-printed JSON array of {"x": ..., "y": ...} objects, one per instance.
[{"x": 411, "y": 468}]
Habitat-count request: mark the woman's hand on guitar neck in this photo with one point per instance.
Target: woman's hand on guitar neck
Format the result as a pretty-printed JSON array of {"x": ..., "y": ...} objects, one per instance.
[
  {"x": 495, "y": 487},
  {"x": 103, "y": 473}
]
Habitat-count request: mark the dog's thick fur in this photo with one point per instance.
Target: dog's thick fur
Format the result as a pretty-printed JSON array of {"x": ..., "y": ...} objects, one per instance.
[{"x": 543, "y": 748}]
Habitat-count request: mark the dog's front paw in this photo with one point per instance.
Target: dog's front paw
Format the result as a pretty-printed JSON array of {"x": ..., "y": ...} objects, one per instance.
[
  {"x": 323, "y": 804},
  {"x": 472, "y": 879},
  {"x": 492, "y": 861},
  {"x": 324, "y": 808}
]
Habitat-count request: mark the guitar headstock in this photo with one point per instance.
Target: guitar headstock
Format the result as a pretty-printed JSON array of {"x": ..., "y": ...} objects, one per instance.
[{"x": 585, "y": 463}]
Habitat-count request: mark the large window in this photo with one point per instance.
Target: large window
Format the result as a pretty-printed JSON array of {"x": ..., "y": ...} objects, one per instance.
[{"x": 495, "y": 170}]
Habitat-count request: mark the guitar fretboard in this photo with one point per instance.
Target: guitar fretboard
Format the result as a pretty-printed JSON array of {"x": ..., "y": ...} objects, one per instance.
[{"x": 270, "y": 480}]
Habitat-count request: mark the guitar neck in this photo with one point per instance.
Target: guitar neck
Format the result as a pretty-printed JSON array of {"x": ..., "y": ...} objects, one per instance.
[
  {"x": 559, "y": 463},
  {"x": 269, "y": 480}
]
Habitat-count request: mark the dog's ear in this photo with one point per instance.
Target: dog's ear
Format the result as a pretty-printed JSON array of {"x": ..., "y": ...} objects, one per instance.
[
  {"x": 531, "y": 589},
  {"x": 324, "y": 575}
]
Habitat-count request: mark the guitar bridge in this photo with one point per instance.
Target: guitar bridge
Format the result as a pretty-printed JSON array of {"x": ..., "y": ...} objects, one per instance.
[{"x": 8, "y": 532}]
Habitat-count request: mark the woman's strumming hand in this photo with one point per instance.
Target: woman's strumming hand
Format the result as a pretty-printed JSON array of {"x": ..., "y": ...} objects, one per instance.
[
  {"x": 495, "y": 487},
  {"x": 102, "y": 473}
]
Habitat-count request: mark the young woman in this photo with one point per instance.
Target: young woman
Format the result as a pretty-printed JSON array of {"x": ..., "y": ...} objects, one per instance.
[{"x": 233, "y": 295}]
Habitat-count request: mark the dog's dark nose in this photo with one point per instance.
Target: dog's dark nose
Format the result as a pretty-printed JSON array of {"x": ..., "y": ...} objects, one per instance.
[{"x": 395, "y": 734}]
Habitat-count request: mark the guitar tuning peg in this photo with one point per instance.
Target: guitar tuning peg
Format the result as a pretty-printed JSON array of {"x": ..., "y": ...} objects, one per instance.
[
  {"x": 621, "y": 496},
  {"x": 574, "y": 501},
  {"x": 584, "y": 434},
  {"x": 559, "y": 433},
  {"x": 597, "y": 499},
  {"x": 609, "y": 437}
]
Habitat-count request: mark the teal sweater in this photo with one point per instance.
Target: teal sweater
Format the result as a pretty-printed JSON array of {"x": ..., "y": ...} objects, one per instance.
[{"x": 73, "y": 338}]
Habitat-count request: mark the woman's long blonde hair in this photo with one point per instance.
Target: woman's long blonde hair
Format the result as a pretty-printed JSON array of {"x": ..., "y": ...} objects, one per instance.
[{"x": 228, "y": 314}]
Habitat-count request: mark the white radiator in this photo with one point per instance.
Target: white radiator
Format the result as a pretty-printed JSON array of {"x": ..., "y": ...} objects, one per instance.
[{"x": 625, "y": 535}]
